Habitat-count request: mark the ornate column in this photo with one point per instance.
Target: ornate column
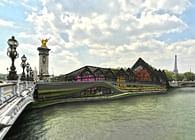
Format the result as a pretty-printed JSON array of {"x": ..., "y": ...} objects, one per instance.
[{"x": 43, "y": 60}]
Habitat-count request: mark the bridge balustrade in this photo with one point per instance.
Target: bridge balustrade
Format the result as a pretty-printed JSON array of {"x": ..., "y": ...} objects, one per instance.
[
  {"x": 14, "y": 97},
  {"x": 6, "y": 92},
  {"x": 13, "y": 88}
]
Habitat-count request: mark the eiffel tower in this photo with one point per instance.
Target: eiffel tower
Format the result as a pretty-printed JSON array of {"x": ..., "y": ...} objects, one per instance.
[{"x": 175, "y": 66}]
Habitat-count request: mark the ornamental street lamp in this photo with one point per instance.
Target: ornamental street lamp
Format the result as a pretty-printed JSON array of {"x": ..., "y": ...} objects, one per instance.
[
  {"x": 13, "y": 54},
  {"x": 27, "y": 71},
  {"x": 23, "y": 65}
]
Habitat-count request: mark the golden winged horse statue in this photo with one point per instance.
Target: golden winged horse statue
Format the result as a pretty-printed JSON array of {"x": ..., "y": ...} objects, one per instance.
[{"x": 44, "y": 42}]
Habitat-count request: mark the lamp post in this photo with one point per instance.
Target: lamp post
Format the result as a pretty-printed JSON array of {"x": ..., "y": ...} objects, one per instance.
[
  {"x": 27, "y": 71},
  {"x": 13, "y": 54},
  {"x": 23, "y": 65}
]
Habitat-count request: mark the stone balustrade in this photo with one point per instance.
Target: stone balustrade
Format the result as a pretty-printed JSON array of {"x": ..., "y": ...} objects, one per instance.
[
  {"x": 14, "y": 97},
  {"x": 13, "y": 88}
]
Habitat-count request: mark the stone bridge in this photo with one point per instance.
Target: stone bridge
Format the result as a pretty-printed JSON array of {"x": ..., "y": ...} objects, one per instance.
[{"x": 14, "y": 97}]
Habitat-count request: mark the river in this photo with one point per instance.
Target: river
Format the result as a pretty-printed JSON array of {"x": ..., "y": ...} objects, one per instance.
[{"x": 168, "y": 116}]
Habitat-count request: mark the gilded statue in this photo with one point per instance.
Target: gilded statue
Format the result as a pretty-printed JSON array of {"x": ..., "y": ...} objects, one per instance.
[{"x": 44, "y": 42}]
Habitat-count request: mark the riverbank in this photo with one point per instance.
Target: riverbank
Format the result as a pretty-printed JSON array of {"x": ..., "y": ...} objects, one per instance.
[{"x": 41, "y": 104}]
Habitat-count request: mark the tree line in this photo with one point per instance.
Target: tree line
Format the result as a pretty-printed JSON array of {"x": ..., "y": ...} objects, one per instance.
[{"x": 187, "y": 76}]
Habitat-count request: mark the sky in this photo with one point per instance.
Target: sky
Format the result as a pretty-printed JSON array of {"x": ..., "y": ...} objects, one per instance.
[{"x": 106, "y": 33}]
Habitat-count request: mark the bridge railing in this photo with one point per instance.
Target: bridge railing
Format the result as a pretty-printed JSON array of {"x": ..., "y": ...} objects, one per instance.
[
  {"x": 21, "y": 86},
  {"x": 11, "y": 89},
  {"x": 6, "y": 91}
]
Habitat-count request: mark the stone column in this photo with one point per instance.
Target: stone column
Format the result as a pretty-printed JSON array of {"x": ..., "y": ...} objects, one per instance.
[{"x": 43, "y": 62}]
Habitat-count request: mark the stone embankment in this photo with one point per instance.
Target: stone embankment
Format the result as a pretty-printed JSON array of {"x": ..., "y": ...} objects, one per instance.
[{"x": 98, "y": 98}]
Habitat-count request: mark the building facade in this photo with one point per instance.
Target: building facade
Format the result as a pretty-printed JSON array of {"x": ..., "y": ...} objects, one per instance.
[{"x": 140, "y": 72}]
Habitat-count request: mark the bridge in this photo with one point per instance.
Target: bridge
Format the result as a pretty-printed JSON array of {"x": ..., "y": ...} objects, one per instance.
[
  {"x": 182, "y": 83},
  {"x": 14, "y": 97}
]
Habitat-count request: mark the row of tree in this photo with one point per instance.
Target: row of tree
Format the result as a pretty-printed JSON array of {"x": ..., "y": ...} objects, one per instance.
[{"x": 187, "y": 76}]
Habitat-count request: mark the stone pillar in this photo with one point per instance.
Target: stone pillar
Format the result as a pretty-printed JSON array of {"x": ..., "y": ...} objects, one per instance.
[{"x": 43, "y": 63}]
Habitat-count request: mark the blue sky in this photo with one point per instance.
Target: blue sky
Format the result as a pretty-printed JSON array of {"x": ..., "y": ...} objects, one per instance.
[
  {"x": 111, "y": 33},
  {"x": 187, "y": 16}
]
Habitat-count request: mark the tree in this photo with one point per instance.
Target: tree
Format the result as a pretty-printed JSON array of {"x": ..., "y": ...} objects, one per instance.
[
  {"x": 189, "y": 76},
  {"x": 180, "y": 77},
  {"x": 170, "y": 75},
  {"x": 174, "y": 77}
]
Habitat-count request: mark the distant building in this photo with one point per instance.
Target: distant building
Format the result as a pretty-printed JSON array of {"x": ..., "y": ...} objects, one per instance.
[{"x": 140, "y": 72}]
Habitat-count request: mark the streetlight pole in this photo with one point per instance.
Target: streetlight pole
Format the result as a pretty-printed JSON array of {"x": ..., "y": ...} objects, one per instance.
[
  {"x": 13, "y": 54},
  {"x": 27, "y": 71},
  {"x": 23, "y": 65}
]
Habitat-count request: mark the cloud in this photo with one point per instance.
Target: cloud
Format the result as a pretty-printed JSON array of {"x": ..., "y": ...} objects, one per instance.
[
  {"x": 185, "y": 48},
  {"x": 115, "y": 32},
  {"x": 64, "y": 61},
  {"x": 5, "y": 23},
  {"x": 172, "y": 6},
  {"x": 4, "y": 61},
  {"x": 5, "y": 2}
]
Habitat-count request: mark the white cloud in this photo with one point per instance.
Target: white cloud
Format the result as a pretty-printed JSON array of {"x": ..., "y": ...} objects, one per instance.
[
  {"x": 5, "y": 2},
  {"x": 4, "y": 61},
  {"x": 185, "y": 48},
  {"x": 64, "y": 61},
  {"x": 115, "y": 32},
  {"x": 161, "y": 23},
  {"x": 173, "y": 6},
  {"x": 5, "y": 23}
]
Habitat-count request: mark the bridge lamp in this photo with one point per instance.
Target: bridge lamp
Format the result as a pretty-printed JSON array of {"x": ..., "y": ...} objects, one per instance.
[
  {"x": 13, "y": 54},
  {"x": 23, "y": 65},
  {"x": 31, "y": 72},
  {"x": 27, "y": 71}
]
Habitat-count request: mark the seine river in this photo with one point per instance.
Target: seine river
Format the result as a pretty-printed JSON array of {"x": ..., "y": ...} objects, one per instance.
[{"x": 168, "y": 116}]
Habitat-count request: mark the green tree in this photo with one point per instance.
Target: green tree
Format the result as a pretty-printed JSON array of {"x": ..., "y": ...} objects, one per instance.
[
  {"x": 180, "y": 77},
  {"x": 170, "y": 75},
  {"x": 189, "y": 76},
  {"x": 174, "y": 77}
]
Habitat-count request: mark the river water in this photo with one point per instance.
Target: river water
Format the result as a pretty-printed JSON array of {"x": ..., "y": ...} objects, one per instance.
[{"x": 168, "y": 116}]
